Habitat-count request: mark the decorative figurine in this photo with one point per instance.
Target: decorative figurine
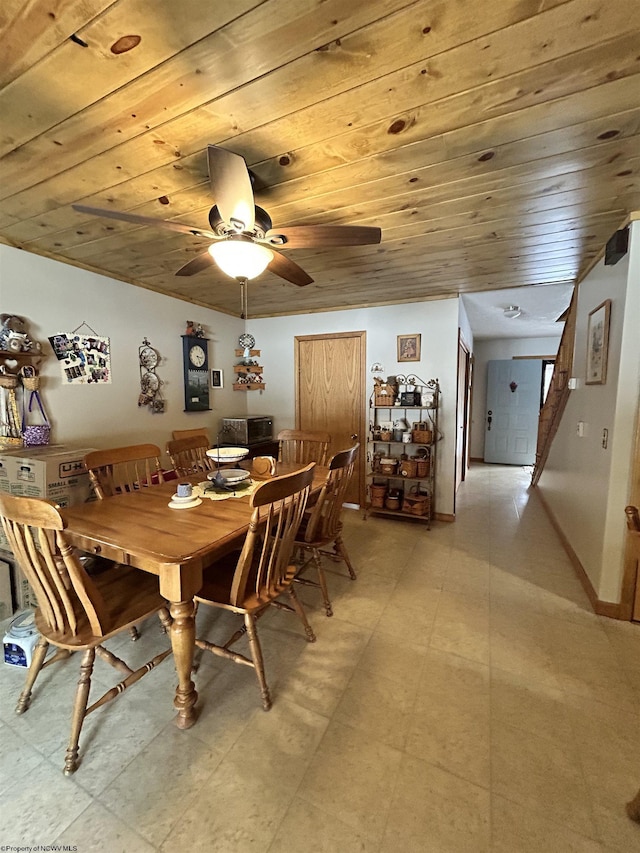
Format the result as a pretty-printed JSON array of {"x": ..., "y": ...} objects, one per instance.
[{"x": 14, "y": 336}]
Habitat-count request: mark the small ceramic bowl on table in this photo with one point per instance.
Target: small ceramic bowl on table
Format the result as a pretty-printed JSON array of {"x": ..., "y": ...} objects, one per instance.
[{"x": 227, "y": 455}]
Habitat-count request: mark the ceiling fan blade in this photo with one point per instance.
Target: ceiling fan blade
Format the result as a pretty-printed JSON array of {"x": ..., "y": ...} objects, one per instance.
[
  {"x": 231, "y": 187},
  {"x": 144, "y": 220},
  {"x": 196, "y": 265},
  {"x": 287, "y": 269},
  {"x": 308, "y": 236}
]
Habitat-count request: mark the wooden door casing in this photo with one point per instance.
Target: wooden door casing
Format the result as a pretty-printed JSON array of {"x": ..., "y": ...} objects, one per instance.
[
  {"x": 462, "y": 411},
  {"x": 330, "y": 393}
]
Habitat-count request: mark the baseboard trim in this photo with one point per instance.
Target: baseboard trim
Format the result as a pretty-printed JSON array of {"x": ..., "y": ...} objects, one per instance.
[
  {"x": 476, "y": 459},
  {"x": 611, "y": 609},
  {"x": 444, "y": 516}
]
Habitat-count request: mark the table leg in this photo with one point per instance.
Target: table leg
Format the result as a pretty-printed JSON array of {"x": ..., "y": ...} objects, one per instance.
[{"x": 183, "y": 634}]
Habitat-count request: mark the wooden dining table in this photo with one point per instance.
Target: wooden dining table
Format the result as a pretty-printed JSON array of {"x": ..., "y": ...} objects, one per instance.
[{"x": 140, "y": 529}]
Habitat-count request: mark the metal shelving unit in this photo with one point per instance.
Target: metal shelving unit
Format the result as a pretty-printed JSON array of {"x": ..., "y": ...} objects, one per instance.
[{"x": 405, "y": 487}]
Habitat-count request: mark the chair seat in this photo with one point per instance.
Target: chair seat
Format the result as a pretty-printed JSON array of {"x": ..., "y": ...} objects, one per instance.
[
  {"x": 216, "y": 588},
  {"x": 315, "y": 543},
  {"x": 130, "y": 596}
]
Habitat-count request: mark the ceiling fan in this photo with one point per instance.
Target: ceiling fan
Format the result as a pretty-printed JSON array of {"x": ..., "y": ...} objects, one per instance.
[{"x": 244, "y": 240}]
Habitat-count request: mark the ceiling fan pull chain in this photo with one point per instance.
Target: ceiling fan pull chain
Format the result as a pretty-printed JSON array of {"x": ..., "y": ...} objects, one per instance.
[{"x": 244, "y": 303}]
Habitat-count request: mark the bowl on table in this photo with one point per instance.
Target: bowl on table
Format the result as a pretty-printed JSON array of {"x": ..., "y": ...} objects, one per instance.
[
  {"x": 229, "y": 476},
  {"x": 227, "y": 455}
]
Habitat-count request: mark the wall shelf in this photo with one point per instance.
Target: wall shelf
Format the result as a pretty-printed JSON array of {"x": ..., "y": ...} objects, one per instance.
[
  {"x": 20, "y": 359},
  {"x": 248, "y": 370}
]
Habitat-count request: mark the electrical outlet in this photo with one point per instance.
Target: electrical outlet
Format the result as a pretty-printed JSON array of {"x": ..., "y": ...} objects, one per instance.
[{"x": 605, "y": 438}]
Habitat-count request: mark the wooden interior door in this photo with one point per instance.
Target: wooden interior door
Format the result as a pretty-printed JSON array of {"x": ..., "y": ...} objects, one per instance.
[{"x": 330, "y": 388}]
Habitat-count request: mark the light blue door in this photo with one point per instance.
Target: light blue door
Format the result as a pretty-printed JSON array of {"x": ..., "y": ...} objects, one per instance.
[{"x": 513, "y": 408}]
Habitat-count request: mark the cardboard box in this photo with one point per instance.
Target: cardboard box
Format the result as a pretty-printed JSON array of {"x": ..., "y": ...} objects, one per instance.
[
  {"x": 7, "y": 604},
  {"x": 25, "y": 596},
  {"x": 16, "y": 593},
  {"x": 54, "y": 471}
]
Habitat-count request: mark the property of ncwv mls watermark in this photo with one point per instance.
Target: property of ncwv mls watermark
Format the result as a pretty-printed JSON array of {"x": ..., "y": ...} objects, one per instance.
[{"x": 39, "y": 848}]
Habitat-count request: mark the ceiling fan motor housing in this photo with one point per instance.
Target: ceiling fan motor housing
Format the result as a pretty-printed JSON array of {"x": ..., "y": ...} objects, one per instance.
[{"x": 224, "y": 229}]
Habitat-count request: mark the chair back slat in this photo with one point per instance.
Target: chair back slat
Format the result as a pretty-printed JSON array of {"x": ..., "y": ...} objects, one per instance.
[
  {"x": 324, "y": 523},
  {"x": 300, "y": 447},
  {"x": 64, "y": 591},
  {"x": 123, "y": 469},
  {"x": 189, "y": 433},
  {"x": 189, "y": 455},
  {"x": 265, "y": 559}
]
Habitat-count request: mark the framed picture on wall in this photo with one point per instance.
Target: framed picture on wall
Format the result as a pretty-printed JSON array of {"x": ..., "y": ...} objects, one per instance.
[
  {"x": 598, "y": 344},
  {"x": 217, "y": 379},
  {"x": 408, "y": 347}
]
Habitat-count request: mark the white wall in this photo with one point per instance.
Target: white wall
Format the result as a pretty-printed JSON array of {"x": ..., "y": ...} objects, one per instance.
[
  {"x": 587, "y": 486},
  {"x": 436, "y": 321},
  {"x": 496, "y": 349},
  {"x": 56, "y": 298},
  {"x": 465, "y": 326}
]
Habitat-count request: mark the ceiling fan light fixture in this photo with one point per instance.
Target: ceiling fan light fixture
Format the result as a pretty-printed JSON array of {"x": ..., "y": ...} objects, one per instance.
[
  {"x": 512, "y": 312},
  {"x": 240, "y": 257}
]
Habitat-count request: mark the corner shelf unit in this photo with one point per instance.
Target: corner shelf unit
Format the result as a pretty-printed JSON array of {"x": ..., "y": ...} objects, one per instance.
[
  {"x": 249, "y": 373},
  {"x": 401, "y": 474}
]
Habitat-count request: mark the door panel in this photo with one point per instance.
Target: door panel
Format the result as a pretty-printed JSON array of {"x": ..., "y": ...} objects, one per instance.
[
  {"x": 513, "y": 408},
  {"x": 330, "y": 394}
]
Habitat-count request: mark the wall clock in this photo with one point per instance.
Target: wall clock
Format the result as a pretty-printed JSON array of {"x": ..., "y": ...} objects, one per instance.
[
  {"x": 246, "y": 341},
  {"x": 196, "y": 373}
]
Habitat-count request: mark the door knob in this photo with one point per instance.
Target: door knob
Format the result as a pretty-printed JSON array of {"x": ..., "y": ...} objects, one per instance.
[{"x": 354, "y": 436}]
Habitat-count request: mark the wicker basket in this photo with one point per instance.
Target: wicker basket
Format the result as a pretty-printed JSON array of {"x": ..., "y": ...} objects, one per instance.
[
  {"x": 388, "y": 466},
  {"x": 421, "y": 436},
  {"x": 8, "y": 380},
  {"x": 385, "y": 395},
  {"x": 393, "y": 499},
  {"x": 415, "y": 504},
  {"x": 422, "y": 467},
  {"x": 408, "y": 467},
  {"x": 386, "y": 435},
  {"x": 378, "y": 494}
]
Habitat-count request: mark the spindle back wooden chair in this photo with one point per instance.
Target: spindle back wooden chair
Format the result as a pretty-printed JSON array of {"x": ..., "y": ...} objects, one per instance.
[
  {"x": 75, "y": 611},
  {"x": 188, "y": 433},
  {"x": 124, "y": 469},
  {"x": 189, "y": 455},
  {"x": 322, "y": 525},
  {"x": 249, "y": 582},
  {"x": 303, "y": 446}
]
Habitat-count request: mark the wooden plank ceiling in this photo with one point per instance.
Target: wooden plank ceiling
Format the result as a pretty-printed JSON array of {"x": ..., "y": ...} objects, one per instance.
[{"x": 495, "y": 144}]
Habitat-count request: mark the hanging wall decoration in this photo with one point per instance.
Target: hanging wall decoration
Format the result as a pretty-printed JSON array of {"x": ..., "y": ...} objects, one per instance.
[
  {"x": 598, "y": 344},
  {"x": 150, "y": 383},
  {"x": 409, "y": 347},
  {"x": 84, "y": 357}
]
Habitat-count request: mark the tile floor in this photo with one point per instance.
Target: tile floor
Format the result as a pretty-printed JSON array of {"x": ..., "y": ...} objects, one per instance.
[{"x": 463, "y": 698}]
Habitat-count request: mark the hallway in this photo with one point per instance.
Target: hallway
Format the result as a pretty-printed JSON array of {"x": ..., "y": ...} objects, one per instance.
[{"x": 463, "y": 698}]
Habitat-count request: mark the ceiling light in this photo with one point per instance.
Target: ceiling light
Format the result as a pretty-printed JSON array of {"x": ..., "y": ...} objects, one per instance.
[
  {"x": 240, "y": 257},
  {"x": 512, "y": 312}
]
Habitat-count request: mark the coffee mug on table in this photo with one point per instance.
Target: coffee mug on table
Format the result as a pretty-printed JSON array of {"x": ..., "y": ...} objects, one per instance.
[
  {"x": 184, "y": 490},
  {"x": 263, "y": 466}
]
